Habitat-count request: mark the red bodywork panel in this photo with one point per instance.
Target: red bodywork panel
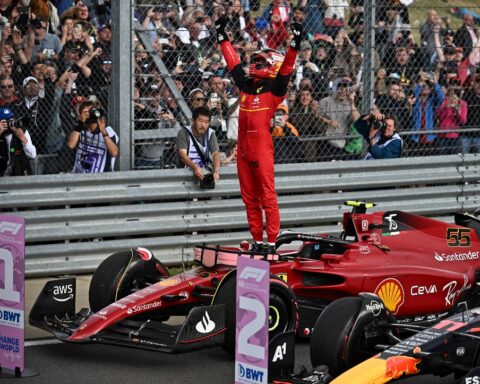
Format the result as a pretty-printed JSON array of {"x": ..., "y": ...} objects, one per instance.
[{"x": 418, "y": 266}]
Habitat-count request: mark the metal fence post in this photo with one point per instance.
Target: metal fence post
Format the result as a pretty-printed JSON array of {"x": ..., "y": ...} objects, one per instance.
[
  {"x": 369, "y": 56},
  {"x": 121, "y": 111}
]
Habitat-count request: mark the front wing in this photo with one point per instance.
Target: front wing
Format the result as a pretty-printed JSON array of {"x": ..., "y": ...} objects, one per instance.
[{"x": 54, "y": 312}]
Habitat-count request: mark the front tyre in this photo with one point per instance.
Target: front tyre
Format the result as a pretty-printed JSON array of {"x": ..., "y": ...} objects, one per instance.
[
  {"x": 122, "y": 273},
  {"x": 332, "y": 333},
  {"x": 282, "y": 315}
]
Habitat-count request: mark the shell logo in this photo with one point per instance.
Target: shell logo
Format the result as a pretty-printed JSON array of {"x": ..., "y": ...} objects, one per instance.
[{"x": 392, "y": 294}]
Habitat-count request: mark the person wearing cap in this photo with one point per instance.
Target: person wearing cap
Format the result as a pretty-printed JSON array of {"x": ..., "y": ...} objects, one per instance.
[
  {"x": 451, "y": 115},
  {"x": 16, "y": 146},
  {"x": 48, "y": 46},
  {"x": 104, "y": 39},
  {"x": 306, "y": 68},
  {"x": 95, "y": 143}
]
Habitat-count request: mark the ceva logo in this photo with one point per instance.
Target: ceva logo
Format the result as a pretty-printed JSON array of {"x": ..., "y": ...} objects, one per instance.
[{"x": 206, "y": 325}]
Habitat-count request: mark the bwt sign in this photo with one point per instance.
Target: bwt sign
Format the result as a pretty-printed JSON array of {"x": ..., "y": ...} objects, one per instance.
[
  {"x": 12, "y": 291},
  {"x": 251, "y": 352}
]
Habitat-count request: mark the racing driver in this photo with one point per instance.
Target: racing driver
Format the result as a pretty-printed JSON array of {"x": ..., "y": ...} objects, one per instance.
[{"x": 261, "y": 91}]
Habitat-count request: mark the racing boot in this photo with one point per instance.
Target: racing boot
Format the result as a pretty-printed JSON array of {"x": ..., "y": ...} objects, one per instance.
[
  {"x": 268, "y": 248},
  {"x": 256, "y": 247}
]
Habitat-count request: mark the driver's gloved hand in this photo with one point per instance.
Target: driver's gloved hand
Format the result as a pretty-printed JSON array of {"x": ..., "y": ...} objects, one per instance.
[
  {"x": 297, "y": 30},
  {"x": 220, "y": 26}
]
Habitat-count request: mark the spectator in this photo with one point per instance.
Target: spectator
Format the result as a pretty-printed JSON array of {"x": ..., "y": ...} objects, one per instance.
[
  {"x": 196, "y": 98},
  {"x": 396, "y": 103},
  {"x": 198, "y": 160},
  {"x": 338, "y": 112},
  {"x": 306, "y": 68},
  {"x": 104, "y": 39},
  {"x": 428, "y": 97},
  {"x": 334, "y": 16},
  {"x": 67, "y": 23},
  {"x": 403, "y": 64},
  {"x": 37, "y": 110},
  {"x": 466, "y": 37},
  {"x": 304, "y": 112},
  {"x": 48, "y": 46},
  {"x": 470, "y": 141},
  {"x": 7, "y": 89},
  {"x": 16, "y": 146},
  {"x": 95, "y": 143},
  {"x": 286, "y": 140},
  {"x": 451, "y": 114},
  {"x": 314, "y": 16},
  {"x": 218, "y": 104},
  {"x": 323, "y": 61},
  {"x": 153, "y": 23},
  {"x": 427, "y": 31},
  {"x": 379, "y": 131}
]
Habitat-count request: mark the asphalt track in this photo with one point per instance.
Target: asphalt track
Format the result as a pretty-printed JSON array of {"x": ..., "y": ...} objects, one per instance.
[{"x": 94, "y": 363}]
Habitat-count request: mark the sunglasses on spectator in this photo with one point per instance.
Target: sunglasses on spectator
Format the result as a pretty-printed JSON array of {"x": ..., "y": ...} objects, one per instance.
[
  {"x": 198, "y": 99},
  {"x": 7, "y": 86}
]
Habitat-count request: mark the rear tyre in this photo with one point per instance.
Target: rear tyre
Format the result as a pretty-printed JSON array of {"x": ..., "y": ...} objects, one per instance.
[
  {"x": 332, "y": 336},
  {"x": 282, "y": 310},
  {"x": 121, "y": 273}
]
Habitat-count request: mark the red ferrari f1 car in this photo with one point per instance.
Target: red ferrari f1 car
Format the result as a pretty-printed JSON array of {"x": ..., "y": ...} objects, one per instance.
[{"x": 419, "y": 267}]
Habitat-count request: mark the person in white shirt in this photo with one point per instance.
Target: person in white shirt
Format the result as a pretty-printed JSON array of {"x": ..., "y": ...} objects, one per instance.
[{"x": 16, "y": 147}]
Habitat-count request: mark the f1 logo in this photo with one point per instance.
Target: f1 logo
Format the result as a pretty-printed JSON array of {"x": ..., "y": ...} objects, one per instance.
[
  {"x": 252, "y": 273},
  {"x": 13, "y": 228}
]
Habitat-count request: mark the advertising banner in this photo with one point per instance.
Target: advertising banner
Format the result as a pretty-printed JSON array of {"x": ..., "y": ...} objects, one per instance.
[
  {"x": 12, "y": 292},
  {"x": 251, "y": 352}
]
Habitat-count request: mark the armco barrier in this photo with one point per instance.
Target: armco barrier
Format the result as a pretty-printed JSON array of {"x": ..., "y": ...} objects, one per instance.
[{"x": 75, "y": 221}]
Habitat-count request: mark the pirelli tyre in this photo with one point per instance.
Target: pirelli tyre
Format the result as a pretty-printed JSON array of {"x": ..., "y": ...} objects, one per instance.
[
  {"x": 282, "y": 309},
  {"x": 122, "y": 273},
  {"x": 337, "y": 336}
]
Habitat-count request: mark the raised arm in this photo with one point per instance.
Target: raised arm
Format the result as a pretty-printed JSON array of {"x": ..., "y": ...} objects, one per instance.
[
  {"x": 231, "y": 57},
  {"x": 279, "y": 85}
]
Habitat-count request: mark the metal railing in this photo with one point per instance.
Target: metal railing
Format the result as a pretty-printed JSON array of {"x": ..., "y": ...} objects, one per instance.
[{"x": 75, "y": 221}]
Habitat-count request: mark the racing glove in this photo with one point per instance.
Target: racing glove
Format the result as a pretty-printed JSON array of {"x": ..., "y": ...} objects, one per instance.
[
  {"x": 220, "y": 26},
  {"x": 297, "y": 30}
]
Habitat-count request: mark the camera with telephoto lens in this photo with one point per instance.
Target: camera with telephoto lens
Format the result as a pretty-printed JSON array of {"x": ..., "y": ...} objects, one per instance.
[
  {"x": 94, "y": 115},
  {"x": 377, "y": 124},
  {"x": 208, "y": 182},
  {"x": 21, "y": 122}
]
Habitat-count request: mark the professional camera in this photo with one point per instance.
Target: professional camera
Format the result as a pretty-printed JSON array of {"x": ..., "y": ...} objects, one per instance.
[
  {"x": 207, "y": 182},
  {"x": 377, "y": 124},
  {"x": 94, "y": 115},
  {"x": 21, "y": 122}
]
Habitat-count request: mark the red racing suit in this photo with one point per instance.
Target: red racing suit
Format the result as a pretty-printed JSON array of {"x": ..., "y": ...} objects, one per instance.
[{"x": 255, "y": 157}]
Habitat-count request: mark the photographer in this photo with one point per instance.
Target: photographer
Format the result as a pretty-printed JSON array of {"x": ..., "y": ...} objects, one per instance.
[
  {"x": 15, "y": 145},
  {"x": 380, "y": 133},
  {"x": 95, "y": 143},
  {"x": 197, "y": 147}
]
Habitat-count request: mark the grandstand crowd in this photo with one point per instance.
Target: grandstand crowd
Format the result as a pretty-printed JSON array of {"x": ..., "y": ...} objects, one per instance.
[{"x": 427, "y": 75}]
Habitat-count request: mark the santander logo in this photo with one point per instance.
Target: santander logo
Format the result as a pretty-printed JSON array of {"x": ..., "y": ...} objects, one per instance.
[{"x": 205, "y": 325}]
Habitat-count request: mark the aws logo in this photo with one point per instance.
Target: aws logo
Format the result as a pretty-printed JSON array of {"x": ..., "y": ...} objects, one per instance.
[{"x": 392, "y": 294}]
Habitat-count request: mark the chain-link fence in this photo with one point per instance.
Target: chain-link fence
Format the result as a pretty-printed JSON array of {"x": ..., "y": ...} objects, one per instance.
[
  {"x": 406, "y": 60},
  {"x": 424, "y": 74},
  {"x": 52, "y": 60}
]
